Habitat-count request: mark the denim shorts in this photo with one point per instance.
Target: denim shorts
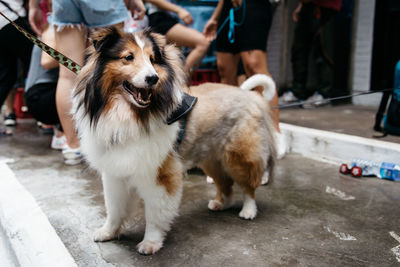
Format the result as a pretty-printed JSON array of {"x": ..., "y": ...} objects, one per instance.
[{"x": 91, "y": 13}]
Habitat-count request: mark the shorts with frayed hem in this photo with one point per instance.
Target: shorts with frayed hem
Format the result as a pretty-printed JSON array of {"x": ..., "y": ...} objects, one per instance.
[{"x": 90, "y": 13}]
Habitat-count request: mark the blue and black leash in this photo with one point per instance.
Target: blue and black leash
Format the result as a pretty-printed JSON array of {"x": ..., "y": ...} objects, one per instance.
[{"x": 232, "y": 22}]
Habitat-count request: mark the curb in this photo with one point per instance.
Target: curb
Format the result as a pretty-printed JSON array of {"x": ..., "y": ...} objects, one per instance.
[
  {"x": 29, "y": 234},
  {"x": 335, "y": 147}
]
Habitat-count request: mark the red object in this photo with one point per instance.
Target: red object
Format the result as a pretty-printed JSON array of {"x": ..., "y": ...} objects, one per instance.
[
  {"x": 204, "y": 76},
  {"x": 344, "y": 169},
  {"x": 20, "y": 108},
  {"x": 333, "y": 4},
  {"x": 356, "y": 171}
]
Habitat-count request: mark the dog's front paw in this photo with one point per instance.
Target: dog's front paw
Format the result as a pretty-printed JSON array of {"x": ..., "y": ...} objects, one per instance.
[
  {"x": 215, "y": 205},
  {"x": 265, "y": 178},
  {"x": 147, "y": 247},
  {"x": 248, "y": 213},
  {"x": 103, "y": 234}
]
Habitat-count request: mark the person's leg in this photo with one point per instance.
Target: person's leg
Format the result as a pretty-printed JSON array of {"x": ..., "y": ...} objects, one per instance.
[
  {"x": 254, "y": 62},
  {"x": 227, "y": 67},
  {"x": 188, "y": 37},
  {"x": 301, "y": 47},
  {"x": 41, "y": 102},
  {"x": 325, "y": 53},
  {"x": 10, "y": 102},
  {"x": 71, "y": 42}
]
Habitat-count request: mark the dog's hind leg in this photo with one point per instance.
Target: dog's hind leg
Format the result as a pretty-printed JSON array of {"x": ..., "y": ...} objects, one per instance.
[
  {"x": 223, "y": 199},
  {"x": 116, "y": 197},
  {"x": 246, "y": 167},
  {"x": 161, "y": 201},
  {"x": 249, "y": 209}
]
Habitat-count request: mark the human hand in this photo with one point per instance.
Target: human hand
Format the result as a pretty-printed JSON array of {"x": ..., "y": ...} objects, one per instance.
[
  {"x": 236, "y": 3},
  {"x": 137, "y": 9},
  {"x": 210, "y": 30},
  {"x": 296, "y": 12},
  {"x": 185, "y": 16},
  {"x": 35, "y": 17}
]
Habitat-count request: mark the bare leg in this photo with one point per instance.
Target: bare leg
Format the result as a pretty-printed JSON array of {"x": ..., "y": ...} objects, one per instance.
[
  {"x": 227, "y": 64},
  {"x": 255, "y": 61},
  {"x": 71, "y": 42},
  {"x": 10, "y": 101},
  {"x": 185, "y": 36}
]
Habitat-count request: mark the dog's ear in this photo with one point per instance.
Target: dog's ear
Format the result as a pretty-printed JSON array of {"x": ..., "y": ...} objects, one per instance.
[
  {"x": 164, "y": 50},
  {"x": 105, "y": 38},
  {"x": 168, "y": 55}
]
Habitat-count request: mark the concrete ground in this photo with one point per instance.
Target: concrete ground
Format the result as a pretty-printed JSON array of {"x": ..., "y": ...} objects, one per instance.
[
  {"x": 309, "y": 215},
  {"x": 346, "y": 119}
]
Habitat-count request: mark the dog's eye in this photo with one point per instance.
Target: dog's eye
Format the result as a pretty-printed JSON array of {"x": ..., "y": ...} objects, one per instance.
[
  {"x": 129, "y": 58},
  {"x": 152, "y": 60}
]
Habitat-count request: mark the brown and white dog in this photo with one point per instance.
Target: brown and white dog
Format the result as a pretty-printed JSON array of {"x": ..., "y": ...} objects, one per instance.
[{"x": 124, "y": 94}]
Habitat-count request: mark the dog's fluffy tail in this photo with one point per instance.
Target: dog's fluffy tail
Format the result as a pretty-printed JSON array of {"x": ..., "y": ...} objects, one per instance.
[{"x": 260, "y": 80}]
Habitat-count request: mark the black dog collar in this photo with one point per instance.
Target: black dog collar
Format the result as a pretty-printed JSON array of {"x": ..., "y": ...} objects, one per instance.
[{"x": 183, "y": 109}]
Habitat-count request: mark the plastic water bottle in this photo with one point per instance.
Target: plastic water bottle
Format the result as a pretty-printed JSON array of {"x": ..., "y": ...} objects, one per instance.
[
  {"x": 131, "y": 25},
  {"x": 384, "y": 170}
]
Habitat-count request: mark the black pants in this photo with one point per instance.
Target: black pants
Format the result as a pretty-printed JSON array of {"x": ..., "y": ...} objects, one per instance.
[
  {"x": 313, "y": 36},
  {"x": 14, "y": 47},
  {"x": 41, "y": 102}
]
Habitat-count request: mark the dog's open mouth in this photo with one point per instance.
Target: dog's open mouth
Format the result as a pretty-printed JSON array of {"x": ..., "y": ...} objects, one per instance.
[{"x": 142, "y": 96}]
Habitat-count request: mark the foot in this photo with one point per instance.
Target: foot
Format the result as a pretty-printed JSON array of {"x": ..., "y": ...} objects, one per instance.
[
  {"x": 104, "y": 234},
  {"x": 249, "y": 210},
  {"x": 210, "y": 180},
  {"x": 147, "y": 247},
  {"x": 72, "y": 156},
  {"x": 5, "y": 132},
  {"x": 315, "y": 100},
  {"x": 58, "y": 143},
  {"x": 216, "y": 205},
  {"x": 265, "y": 178},
  {"x": 287, "y": 98},
  {"x": 280, "y": 145},
  {"x": 10, "y": 120}
]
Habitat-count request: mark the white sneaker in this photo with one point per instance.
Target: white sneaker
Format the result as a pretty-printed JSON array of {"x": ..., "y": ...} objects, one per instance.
[
  {"x": 315, "y": 100},
  {"x": 72, "y": 156},
  {"x": 58, "y": 143},
  {"x": 288, "y": 97},
  {"x": 280, "y": 145},
  {"x": 10, "y": 120}
]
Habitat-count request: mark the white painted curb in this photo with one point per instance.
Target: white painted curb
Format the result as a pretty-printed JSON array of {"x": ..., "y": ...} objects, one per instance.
[
  {"x": 336, "y": 147},
  {"x": 31, "y": 236}
]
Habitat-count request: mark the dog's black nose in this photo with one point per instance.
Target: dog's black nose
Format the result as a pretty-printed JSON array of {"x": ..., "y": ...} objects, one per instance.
[{"x": 152, "y": 80}]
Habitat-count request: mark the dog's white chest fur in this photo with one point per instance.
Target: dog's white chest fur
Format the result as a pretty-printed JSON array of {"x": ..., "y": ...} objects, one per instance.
[{"x": 136, "y": 156}]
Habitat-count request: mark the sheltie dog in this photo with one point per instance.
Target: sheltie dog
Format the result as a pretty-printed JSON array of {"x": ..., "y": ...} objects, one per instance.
[{"x": 129, "y": 86}]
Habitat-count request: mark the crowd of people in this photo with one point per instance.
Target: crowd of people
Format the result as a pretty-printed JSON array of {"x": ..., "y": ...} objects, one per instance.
[{"x": 64, "y": 25}]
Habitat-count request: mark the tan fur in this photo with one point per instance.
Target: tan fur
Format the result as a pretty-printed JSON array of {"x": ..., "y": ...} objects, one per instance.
[
  {"x": 240, "y": 157},
  {"x": 170, "y": 174}
]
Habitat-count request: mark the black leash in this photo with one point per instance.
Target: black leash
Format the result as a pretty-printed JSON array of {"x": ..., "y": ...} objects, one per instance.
[
  {"x": 62, "y": 59},
  {"x": 301, "y": 103}
]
